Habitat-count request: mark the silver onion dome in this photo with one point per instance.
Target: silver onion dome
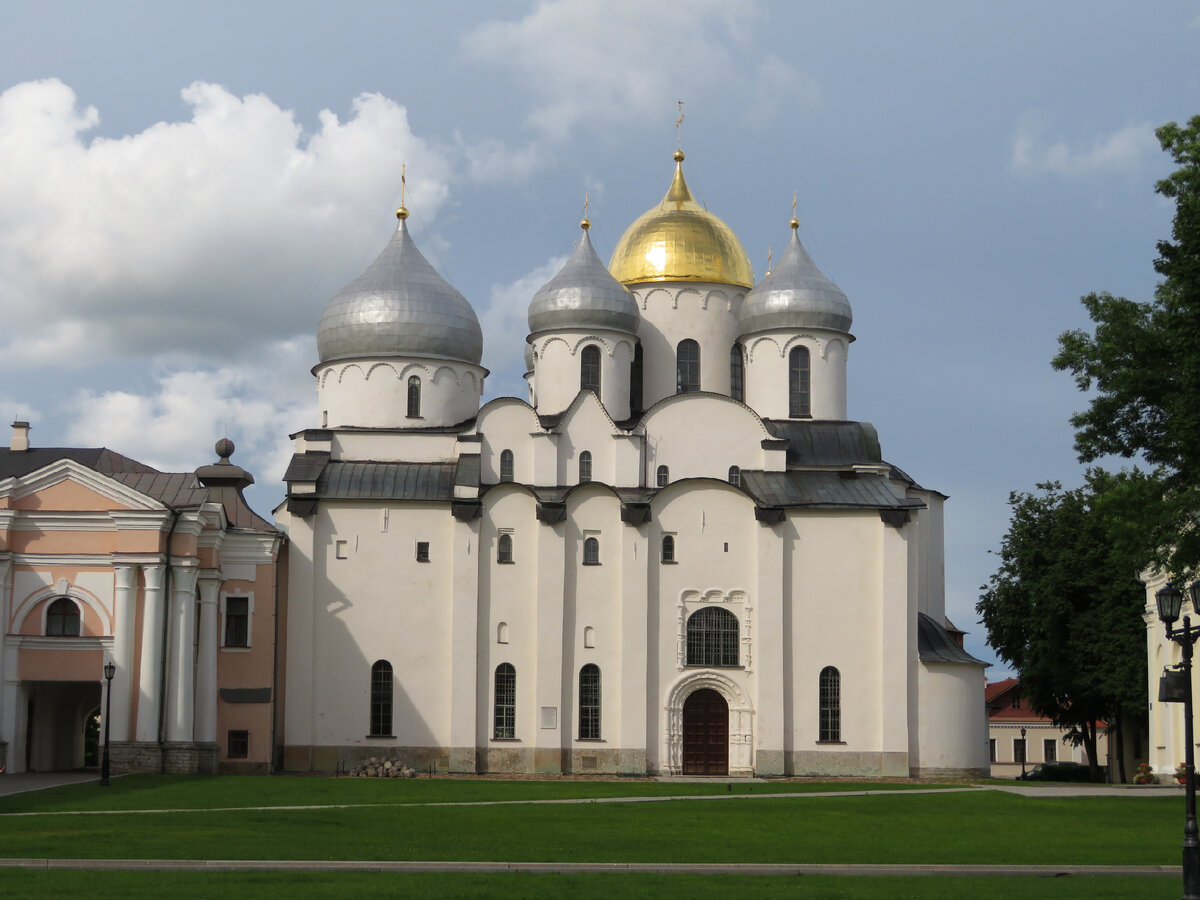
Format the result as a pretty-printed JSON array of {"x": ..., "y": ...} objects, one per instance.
[
  {"x": 795, "y": 294},
  {"x": 400, "y": 306},
  {"x": 583, "y": 295}
]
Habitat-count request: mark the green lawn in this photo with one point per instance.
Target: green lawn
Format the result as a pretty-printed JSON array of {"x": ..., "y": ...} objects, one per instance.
[
  {"x": 900, "y": 827},
  {"x": 223, "y": 885}
]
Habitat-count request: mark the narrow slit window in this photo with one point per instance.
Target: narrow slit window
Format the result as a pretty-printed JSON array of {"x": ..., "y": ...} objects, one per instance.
[
  {"x": 504, "y": 549},
  {"x": 422, "y": 551},
  {"x": 591, "y": 552},
  {"x": 506, "y": 465},
  {"x": 663, "y": 476},
  {"x": 830, "y": 704},
  {"x": 737, "y": 374},
  {"x": 381, "y": 699},
  {"x": 668, "y": 548},
  {"x": 799, "y": 384},
  {"x": 735, "y": 476},
  {"x": 589, "y": 703},
  {"x": 635, "y": 382},
  {"x": 589, "y": 369},
  {"x": 585, "y": 467},
  {"x": 414, "y": 397},
  {"x": 687, "y": 366},
  {"x": 504, "y": 708}
]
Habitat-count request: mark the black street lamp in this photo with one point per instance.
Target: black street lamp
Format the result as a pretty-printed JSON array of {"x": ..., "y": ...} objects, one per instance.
[
  {"x": 109, "y": 671},
  {"x": 1170, "y": 602},
  {"x": 1024, "y": 752}
]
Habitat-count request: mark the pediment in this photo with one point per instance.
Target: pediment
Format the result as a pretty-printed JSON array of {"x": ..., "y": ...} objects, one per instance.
[{"x": 67, "y": 486}]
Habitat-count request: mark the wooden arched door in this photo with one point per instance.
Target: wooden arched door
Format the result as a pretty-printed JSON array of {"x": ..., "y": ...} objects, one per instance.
[{"x": 705, "y": 734}]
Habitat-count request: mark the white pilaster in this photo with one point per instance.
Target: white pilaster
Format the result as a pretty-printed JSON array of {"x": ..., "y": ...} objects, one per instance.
[
  {"x": 464, "y": 627},
  {"x": 765, "y": 622},
  {"x": 124, "y": 616},
  {"x": 548, "y": 687},
  {"x": 206, "y": 661},
  {"x": 181, "y": 671},
  {"x": 150, "y": 686}
]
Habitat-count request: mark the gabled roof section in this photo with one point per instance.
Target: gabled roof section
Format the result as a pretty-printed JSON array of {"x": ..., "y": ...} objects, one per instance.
[
  {"x": 934, "y": 645},
  {"x": 178, "y": 490},
  {"x": 997, "y": 689},
  {"x": 18, "y": 463},
  {"x": 672, "y": 399},
  {"x": 582, "y": 399}
]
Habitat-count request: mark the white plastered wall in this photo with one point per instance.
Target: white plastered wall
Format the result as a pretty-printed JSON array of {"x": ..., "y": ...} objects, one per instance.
[
  {"x": 702, "y": 437},
  {"x": 767, "y": 372},
  {"x": 557, "y": 375},
  {"x": 374, "y": 392}
]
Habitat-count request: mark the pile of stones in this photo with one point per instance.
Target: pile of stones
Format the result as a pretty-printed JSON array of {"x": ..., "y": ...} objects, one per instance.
[{"x": 378, "y": 767}]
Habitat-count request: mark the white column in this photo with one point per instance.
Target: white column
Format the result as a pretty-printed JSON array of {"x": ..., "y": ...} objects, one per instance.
[
  {"x": 124, "y": 616},
  {"x": 181, "y": 671},
  {"x": 8, "y": 690},
  {"x": 206, "y": 662},
  {"x": 150, "y": 687}
]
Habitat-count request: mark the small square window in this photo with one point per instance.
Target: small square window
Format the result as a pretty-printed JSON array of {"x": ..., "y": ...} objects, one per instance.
[
  {"x": 340, "y": 550},
  {"x": 239, "y": 745},
  {"x": 422, "y": 551}
]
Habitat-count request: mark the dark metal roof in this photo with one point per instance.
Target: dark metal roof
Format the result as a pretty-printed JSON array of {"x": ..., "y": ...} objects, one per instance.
[
  {"x": 825, "y": 490},
  {"x": 934, "y": 644},
  {"x": 174, "y": 489},
  {"x": 827, "y": 443},
  {"x": 21, "y": 462},
  {"x": 387, "y": 481},
  {"x": 467, "y": 474},
  {"x": 306, "y": 466}
]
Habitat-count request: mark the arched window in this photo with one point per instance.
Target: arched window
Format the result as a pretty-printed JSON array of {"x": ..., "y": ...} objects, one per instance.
[
  {"x": 668, "y": 548},
  {"x": 799, "y": 384},
  {"x": 635, "y": 382},
  {"x": 589, "y": 369},
  {"x": 737, "y": 374},
  {"x": 414, "y": 396},
  {"x": 831, "y": 704},
  {"x": 664, "y": 476},
  {"x": 712, "y": 637},
  {"x": 504, "y": 549},
  {"x": 506, "y": 465},
  {"x": 504, "y": 710},
  {"x": 591, "y": 552},
  {"x": 62, "y": 618},
  {"x": 585, "y": 467},
  {"x": 589, "y": 703},
  {"x": 735, "y": 476},
  {"x": 687, "y": 366},
  {"x": 381, "y": 698}
]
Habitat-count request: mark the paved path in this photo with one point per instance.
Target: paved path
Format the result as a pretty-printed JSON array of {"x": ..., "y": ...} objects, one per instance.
[
  {"x": 39, "y": 781},
  {"x": 240, "y": 865}
]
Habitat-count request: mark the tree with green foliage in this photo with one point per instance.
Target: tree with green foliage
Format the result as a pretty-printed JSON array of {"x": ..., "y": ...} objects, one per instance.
[
  {"x": 1143, "y": 363},
  {"x": 1064, "y": 608}
]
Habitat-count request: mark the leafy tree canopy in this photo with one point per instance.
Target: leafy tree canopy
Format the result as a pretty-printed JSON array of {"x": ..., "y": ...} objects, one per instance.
[
  {"x": 1143, "y": 363},
  {"x": 1064, "y": 608}
]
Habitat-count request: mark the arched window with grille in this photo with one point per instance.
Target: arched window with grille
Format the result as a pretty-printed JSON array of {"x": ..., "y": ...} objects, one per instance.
[
  {"x": 62, "y": 618},
  {"x": 712, "y": 637},
  {"x": 504, "y": 707},
  {"x": 591, "y": 552},
  {"x": 381, "y": 698},
  {"x": 506, "y": 465},
  {"x": 735, "y": 476},
  {"x": 668, "y": 548},
  {"x": 504, "y": 548},
  {"x": 589, "y": 703},
  {"x": 799, "y": 384},
  {"x": 737, "y": 374},
  {"x": 585, "y": 467},
  {"x": 687, "y": 366},
  {"x": 830, "y": 704},
  {"x": 589, "y": 369},
  {"x": 663, "y": 476},
  {"x": 414, "y": 396}
]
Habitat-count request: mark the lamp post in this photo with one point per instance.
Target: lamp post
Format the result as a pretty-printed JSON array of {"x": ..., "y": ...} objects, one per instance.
[
  {"x": 109, "y": 671},
  {"x": 1170, "y": 602},
  {"x": 1024, "y": 752}
]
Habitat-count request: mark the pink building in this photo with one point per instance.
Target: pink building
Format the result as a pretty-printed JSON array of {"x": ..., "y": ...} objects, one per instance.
[{"x": 170, "y": 576}]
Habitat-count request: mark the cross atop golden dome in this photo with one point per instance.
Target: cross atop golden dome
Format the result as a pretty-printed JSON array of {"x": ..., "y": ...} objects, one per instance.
[{"x": 679, "y": 240}]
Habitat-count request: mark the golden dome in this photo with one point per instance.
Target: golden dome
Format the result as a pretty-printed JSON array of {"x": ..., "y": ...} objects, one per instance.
[{"x": 679, "y": 240}]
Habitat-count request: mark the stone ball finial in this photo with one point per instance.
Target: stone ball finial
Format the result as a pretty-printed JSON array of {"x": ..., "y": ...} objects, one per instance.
[{"x": 224, "y": 449}]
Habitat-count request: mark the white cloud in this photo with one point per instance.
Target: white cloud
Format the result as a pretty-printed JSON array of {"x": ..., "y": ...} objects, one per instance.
[
  {"x": 203, "y": 235},
  {"x": 613, "y": 62},
  {"x": 173, "y": 426},
  {"x": 505, "y": 326},
  {"x": 1119, "y": 152}
]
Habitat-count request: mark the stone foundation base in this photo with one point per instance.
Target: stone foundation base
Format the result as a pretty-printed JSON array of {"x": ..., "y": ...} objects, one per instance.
[
  {"x": 865, "y": 764},
  {"x": 134, "y": 756},
  {"x": 943, "y": 772},
  {"x": 188, "y": 758}
]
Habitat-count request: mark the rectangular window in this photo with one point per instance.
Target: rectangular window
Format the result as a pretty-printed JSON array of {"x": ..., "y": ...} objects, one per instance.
[
  {"x": 422, "y": 551},
  {"x": 239, "y": 745},
  {"x": 991, "y": 749},
  {"x": 1050, "y": 750},
  {"x": 589, "y": 703},
  {"x": 237, "y": 621},
  {"x": 1019, "y": 750},
  {"x": 504, "y": 718},
  {"x": 340, "y": 550}
]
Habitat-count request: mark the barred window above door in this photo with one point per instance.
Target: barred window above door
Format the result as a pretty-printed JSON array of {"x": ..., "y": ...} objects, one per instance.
[{"x": 712, "y": 637}]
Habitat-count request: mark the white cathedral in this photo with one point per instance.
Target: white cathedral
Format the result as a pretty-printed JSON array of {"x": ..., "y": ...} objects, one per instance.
[{"x": 679, "y": 556}]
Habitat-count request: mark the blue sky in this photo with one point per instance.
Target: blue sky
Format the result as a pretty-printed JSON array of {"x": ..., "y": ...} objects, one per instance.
[{"x": 184, "y": 187}]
